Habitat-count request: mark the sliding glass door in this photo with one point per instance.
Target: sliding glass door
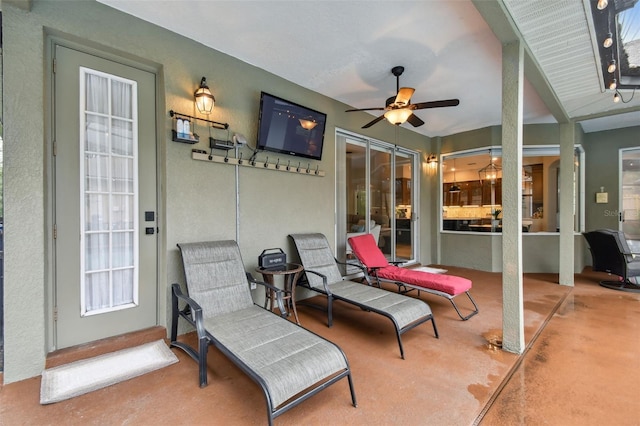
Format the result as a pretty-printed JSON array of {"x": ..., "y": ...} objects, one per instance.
[{"x": 376, "y": 195}]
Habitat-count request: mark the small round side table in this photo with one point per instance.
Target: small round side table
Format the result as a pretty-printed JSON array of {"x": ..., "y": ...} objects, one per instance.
[{"x": 291, "y": 273}]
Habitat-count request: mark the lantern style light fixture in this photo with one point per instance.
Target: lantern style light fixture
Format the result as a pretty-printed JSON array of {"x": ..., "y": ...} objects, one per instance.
[
  {"x": 398, "y": 116},
  {"x": 432, "y": 164},
  {"x": 204, "y": 98},
  {"x": 490, "y": 172}
]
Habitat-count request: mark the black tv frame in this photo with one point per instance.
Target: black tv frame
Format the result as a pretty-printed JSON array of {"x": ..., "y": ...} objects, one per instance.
[{"x": 293, "y": 134}]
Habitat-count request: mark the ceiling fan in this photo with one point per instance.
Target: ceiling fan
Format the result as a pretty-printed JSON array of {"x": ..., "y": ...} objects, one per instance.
[{"x": 399, "y": 109}]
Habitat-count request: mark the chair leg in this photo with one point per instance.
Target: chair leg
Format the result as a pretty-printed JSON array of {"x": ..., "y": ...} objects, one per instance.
[
  {"x": 330, "y": 311},
  {"x": 353, "y": 392},
  {"x": 174, "y": 317},
  {"x": 475, "y": 311},
  {"x": 435, "y": 329},
  {"x": 203, "y": 346},
  {"x": 399, "y": 342}
]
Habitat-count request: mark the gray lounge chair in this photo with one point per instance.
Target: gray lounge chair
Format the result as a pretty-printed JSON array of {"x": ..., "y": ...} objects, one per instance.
[
  {"x": 289, "y": 362},
  {"x": 323, "y": 276}
]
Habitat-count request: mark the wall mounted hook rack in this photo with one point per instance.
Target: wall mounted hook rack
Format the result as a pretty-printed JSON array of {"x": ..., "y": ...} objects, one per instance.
[{"x": 263, "y": 165}]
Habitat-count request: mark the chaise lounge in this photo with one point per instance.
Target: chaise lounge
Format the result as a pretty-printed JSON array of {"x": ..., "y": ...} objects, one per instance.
[
  {"x": 289, "y": 362},
  {"x": 323, "y": 276},
  {"x": 448, "y": 286}
]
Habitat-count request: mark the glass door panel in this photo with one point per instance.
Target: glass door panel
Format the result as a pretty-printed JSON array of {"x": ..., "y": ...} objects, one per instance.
[
  {"x": 404, "y": 214},
  {"x": 357, "y": 196},
  {"x": 109, "y": 179},
  {"x": 630, "y": 196},
  {"x": 382, "y": 205}
]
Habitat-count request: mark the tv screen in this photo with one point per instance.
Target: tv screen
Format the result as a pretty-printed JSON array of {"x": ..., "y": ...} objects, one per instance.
[{"x": 288, "y": 128}]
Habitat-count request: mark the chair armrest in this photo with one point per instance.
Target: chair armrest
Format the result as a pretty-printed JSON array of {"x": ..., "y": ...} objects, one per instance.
[
  {"x": 194, "y": 307},
  {"x": 279, "y": 292},
  {"x": 357, "y": 265},
  {"x": 324, "y": 280}
]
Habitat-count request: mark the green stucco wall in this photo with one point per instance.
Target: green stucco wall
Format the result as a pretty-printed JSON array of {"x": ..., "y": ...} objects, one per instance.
[{"x": 198, "y": 199}]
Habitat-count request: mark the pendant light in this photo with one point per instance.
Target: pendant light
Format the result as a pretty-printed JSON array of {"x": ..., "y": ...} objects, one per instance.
[
  {"x": 490, "y": 172},
  {"x": 454, "y": 188}
]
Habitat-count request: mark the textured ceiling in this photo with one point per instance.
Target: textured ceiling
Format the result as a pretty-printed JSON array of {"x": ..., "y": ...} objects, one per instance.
[{"x": 345, "y": 50}]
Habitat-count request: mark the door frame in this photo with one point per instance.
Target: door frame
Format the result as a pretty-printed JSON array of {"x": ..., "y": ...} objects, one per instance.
[
  {"x": 124, "y": 58},
  {"x": 340, "y": 191}
]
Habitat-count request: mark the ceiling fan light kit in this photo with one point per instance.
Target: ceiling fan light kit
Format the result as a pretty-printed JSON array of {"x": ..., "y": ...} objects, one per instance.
[
  {"x": 398, "y": 116},
  {"x": 399, "y": 109}
]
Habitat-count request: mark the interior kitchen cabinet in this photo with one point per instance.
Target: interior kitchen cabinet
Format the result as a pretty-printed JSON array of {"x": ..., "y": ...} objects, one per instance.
[{"x": 403, "y": 191}]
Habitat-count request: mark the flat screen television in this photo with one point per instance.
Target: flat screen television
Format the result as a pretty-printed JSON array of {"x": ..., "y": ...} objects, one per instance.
[{"x": 288, "y": 128}]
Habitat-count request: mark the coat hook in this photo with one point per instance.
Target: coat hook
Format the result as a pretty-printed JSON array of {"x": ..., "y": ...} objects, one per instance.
[
  {"x": 266, "y": 162},
  {"x": 278, "y": 164},
  {"x": 308, "y": 168},
  {"x": 317, "y": 168},
  {"x": 298, "y": 169},
  {"x": 226, "y": 157},
  {"x": 240, "y": 159},
  {"x": 288, "y": 163}
]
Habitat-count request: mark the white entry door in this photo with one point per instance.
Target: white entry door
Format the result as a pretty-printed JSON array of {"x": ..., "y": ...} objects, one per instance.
[{"x": 105, "y": 198}]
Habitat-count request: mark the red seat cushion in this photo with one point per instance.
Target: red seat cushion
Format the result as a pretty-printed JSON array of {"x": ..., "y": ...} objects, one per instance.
[{"x": 450, "y": 284}]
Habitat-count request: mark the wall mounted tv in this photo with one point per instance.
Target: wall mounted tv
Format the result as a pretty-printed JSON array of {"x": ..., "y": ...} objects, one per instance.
[{"x": 288, "y": 128}]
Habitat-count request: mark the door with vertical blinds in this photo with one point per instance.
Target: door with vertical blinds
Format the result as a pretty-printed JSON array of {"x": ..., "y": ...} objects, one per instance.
[{"x": 105, "y": 198}]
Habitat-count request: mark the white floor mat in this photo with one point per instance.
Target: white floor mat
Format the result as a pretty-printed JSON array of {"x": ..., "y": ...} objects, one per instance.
[{"x": 79, "y": 377}]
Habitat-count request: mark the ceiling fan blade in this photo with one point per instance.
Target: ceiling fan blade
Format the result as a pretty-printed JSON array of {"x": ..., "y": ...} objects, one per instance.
[
  {"x": 404, "y": 95},
  {"x": 371, "y": 123},
  {"x": 365, "y": 109},
  {"x": 415, "y": 121},
  {"x": 436, "y": 104}
]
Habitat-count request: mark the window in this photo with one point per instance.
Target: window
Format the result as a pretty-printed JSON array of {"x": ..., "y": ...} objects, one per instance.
[
  {"x": 472, "y": 190},
  {"x": 108, "y": 186}
]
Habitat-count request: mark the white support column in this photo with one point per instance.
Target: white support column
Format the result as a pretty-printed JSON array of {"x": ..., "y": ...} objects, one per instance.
[
  {"x": 566, "y": 202},
  {"x": 512, "y": 95}
]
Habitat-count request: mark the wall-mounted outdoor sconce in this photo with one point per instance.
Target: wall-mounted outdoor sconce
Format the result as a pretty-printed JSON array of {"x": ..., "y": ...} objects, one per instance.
[
  {"x": 204, "y": 98},
  {"x": 432, "y": 164}
]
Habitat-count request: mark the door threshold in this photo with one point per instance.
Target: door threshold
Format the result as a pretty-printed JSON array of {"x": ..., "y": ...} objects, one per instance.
[{"x": 103, "y": 346}]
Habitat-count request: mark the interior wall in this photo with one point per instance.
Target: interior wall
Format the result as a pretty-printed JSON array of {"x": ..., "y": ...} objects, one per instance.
[{"x": 198, "y": 198}]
